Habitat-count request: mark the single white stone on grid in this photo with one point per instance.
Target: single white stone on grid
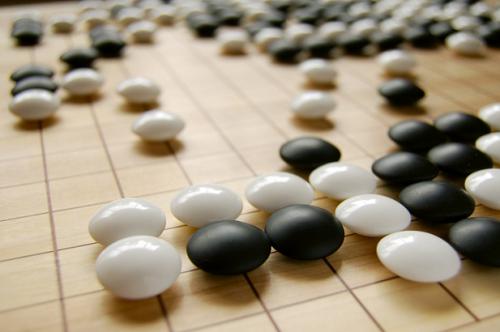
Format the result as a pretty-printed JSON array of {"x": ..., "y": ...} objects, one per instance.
[
  {"x": 34, "y": 104},
  {"x": 139, "y": 90},
  {"x": 158, "y": 126}
]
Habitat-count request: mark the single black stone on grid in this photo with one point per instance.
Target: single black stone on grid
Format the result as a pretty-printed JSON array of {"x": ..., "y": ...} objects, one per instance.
[
  {"x": 228, "y": 247},
  {"x": 416, "y": 135},
  {"x": 304, "y": 232},
  {"x": 27, "y": 31},
  {"x": 461, "y": 127},
  {"x": 308, "y": 152},
  {"x": 203, "y": 25},
  {"x": 459, "y": 159},
  {"x": 477, "y": 239},
  {"x": 31, "y": 70},
  {"x": 420, "y": 37},
  {"x": 403, "y": 168},
  {"x": 441, "y": 30},
  {"x": 79, "y": 57},
  {"x": 109, "y": 47},
  {"x": 34, "y": 82},
  {"x": 353, "y": 44},
  {"x": 284, "y": 50},
  {"x": 437, "y": 202},
  {"x": 401, "y": 92},
  {"x": 387, "y": 41},
  {"x": 319, "y": 47}
]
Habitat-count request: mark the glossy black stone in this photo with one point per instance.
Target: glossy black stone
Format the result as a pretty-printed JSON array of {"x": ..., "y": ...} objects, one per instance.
[
  {"x": 459, "y": 159},
  {"x": 109, "y": 46},
  {"x": 27, "y": 37},
  {"x": 401, "y": 92},
  {"x": 34, "y": 82},
  {"x": 404, "y": 168},
  {"x": 387, "y": 41},
  {"x": 304, "y": 232},
  {"x": 415, "y": 135},
  {"x": 228, "y": 247},
  {"x": 284, "y": 50},
  {"x": 318, "y": 47},
  {"x": 31, "y": 70},
  {"x": 420, "y": 37},
  {"x": 477, "y": 239},
  {"x": 461, "y": 127},
  {"x": 441, "y": 30},
  {"x": 308, "y": 152},
  {"x": 355, "y": 45},
  {"x": 490, "y": 33},
  {"x": 203, "y": 25},
  {"x": 79, "y": 57},
  {"x": 437, "y": 202},
  {"x": 229, "y": 17}
]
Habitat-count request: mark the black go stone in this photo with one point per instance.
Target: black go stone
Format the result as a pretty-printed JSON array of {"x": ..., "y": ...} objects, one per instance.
[
  {"x": 34, "y": 82},
  {"x": 415, "y": 135},
  {"x": 403, "y": 168},
  {"x": 490, "y": 33},
  {"x": 354, "y": 45},
  {"x": 275, "y": 19},
  {"x": 31, "y": 70},
  {"x": 304, "y": 232},
  {"x": 109, "y": 46},
  {"x": 203, "y": 25},
  {"x": 420, "y": 37},
  {"x": 228, "y": 247},
  {"x": 256, "y": 27},
  {"x": 401, "y": 92},
  {"x": 308, "y": 152},
  {"x": 229, "y": 17},
  {"x": 459, "y": 159},
  {"x": 387, "y": 41},
  {"x": 79, "y": 57},
  {"x": 27, "y": 31},
  {"x": 437, "y": 202},
  {"x": 319, "y": 47},
  {"x": 284, "y": 50},
  {"x": 477, "y": 239},
  {"x": 461, "y": 127}
]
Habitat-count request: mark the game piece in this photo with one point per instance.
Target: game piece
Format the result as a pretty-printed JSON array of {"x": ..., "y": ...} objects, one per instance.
[
  {"x": 27, "y": 31},
  {"x": 139, "y": 90},
  {"x": 420, "y": 37},
  {"x": 308, "y": 152},
  {"x": 386, "y": 41},
  {"x": 491, "y": 115},
  {"x": 354, "y": 44},
  {"x": 340, "y": 180},
  {"x": 392, "y": 25},
  {"x": 404, "y": 168},
  {"x": 79, "y": 57},
  {"x": 34, "y": 104},
  {"x": 34, "y": 82},
  {"x": 163, "y": 15},
  {"x": 228, "y": 247},
  {"x": 273, "y": 191},
  {"x": 298, "y": 32},
  {"x": 418, "y": 256},
  {"x": 108, "y": 41},
  {"x": 401, "y": 92},
  {"x": 458, "y": 159},
  {"x": 232, "y": 41},
  {"x": 63, "y": 23},
  {"x": 466, "y": 23},
  {"x": 332, "y": 30},
  {"x": 318, "y": 71},
  {"x": 82, "y": 82},
  {"x": 490, "y": 33},
  {"x": 437, "y": 202},
  {"x": 138, "y": 267},
  {"x": 477, "y": 239},
  {"x": 126, "y": 217},
  {"x": 364, "y": 27},
  {"x": 31, "y": 70},
  {"x": 304, "y": 232},
  {"x": 94, "y": 18},
  {"x": 200, "y": 205},
  {"x": 465, "y": 43},
  {"x": 142, "y": 31},
  {"x": 490, "y": 145},
  {"x": 313, "y": 105},
  {"x": 158, "y": 126},
  {"x": 372, "y": 215},
  {"x": 284, "y": 50},
  {"x": 416, "y": 135},
  {"x": 129, "y": 15},
  {"x": 441, "y": 30},
  {"x": 267, "y": 36},
  {"x": 318, "y": 47},
  {"x": 397, "y": 62},
  {"x": 461, "y": 127},
  {"x": 203, "y": 25},
  {"x": 484, "y": 186}
]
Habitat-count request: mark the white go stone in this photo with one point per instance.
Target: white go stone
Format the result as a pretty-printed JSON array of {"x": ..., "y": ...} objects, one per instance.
[
  {"x": 138, "y": 267},
  {"x": 480, "y": 9},
  {"x": 82, "y": 82},
  {"x": 163, "y": 15},
  {"x": 397, "y": 62},
  {"x": 418, "y": 256},
  {"x": 63, "y": 23},
  {"x": 318, "y": 71},
  {"x": 490, "y": 144},
  {"x": 393, "y": 25},
  {"x": 373, "y": 215},
  {"x": 274, "y": 191},
  {"x": 139, "y": 90},
  {"x": 142, "y": 31},
  {"x": 158, "y": 126},
  {"x": 267, "y": 36},
  {"x": 332, "y": 30},
  {"x": 232, "y": 41},
  {"x": 313, "y": 105},
  {"x": 340, "y": 180},
  {"x": 298, "y": 32},
  {"x": 87, "y": 5},
  {"x": 95, "y": 17},
  {"x": 484, "y": 186},
  {"x": 126, "y": 217},
  {"x": 34, "y": 104},
  {"x": 364, "y": 27},
  {"x": 465, "y": 43},
  {"x": 466, "y": 23},
  {"x": 200, "y": 205},
  {"x": 129, "y": 15},
  {"x": 491, "y": 115}
]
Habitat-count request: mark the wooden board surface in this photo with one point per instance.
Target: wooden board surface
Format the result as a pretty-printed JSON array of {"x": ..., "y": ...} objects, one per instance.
[{"x": 54, "y": 176}]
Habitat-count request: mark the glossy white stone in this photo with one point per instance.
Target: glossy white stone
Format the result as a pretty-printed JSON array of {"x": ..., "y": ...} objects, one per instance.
[
  {"x": 267, "y": 36},
  {"x": 397, "y": 62},
  {"x": 484, "y": 186},
  {"x": 138, "y": 267},
  {"x": 94, "y": 17},
  {"x": 82, "y": 82},
  {"x": 158, "y": 126},
  {"x": 298, "y": 32},
  {"x": 491, "y": 115},
  {"x": 129, "y": 15},
  {"x": 274, "y": 191},
  {"x": 139, "y": 90},
  {"x": 465, "y": 43},
  {"x": 163, "y": 15},
  {"x": 232, "y": 41},
  {"x": 318, "y": 71},
  {"x": 466, "y": 23},
  {"x": 200, "y": 205},
  {"x": 142, "y": 31},
  {"x": 34, "y": 104},
  {"x": 364, "y": 27},
  {"x": 313, "y": 105},
  {"x": 63, "y": 23},
  {"x": 418, "y": 256},
  {"x": 340, "y": 180},
  {"x": 87, "y": 5},
  {"x": 126, "y": 217},
  {"x": 373, "y": 215},
  {"x": 490, "y": 144},
  {"x": 332, "y": 30},
  {"x": 392, "y": 25}
]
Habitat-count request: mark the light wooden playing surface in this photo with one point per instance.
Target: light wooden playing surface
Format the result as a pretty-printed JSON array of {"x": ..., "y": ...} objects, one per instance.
[{"x": 54, "y": 176}]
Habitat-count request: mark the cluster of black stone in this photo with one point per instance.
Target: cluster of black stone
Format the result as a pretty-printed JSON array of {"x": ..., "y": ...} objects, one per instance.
[
  {"x": 33, "y": 77},
  {"x": 107, "y": 41},
  {"x": 27, "y": 31}
]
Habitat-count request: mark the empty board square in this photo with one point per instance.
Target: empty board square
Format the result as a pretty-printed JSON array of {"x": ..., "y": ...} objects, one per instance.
[
  {"x": 216, "y": 168},
  {"x": 23, "y": 200},
  {"x": 243, "y": 324},
  {"x": 198, "y": 299},
  {"x": 264, "y": 159},
  {"x": 400, "y": 305},
  {"x": 41, "y": 318},
  {"x": 179, "y": 237},
  {"x": 140, "y": 153},
  {"x": 74, "y": 163},
  {"x": 21, "y": 171},
  {"x": 59, "y": 138},
  {"x": 26, "y": 144},
  {"x": 486, "y": 325},
  {"x": 25, "y": 236}
]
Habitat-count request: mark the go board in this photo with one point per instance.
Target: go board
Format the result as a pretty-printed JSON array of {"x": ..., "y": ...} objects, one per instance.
[{"x": 55, "y": 175}]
